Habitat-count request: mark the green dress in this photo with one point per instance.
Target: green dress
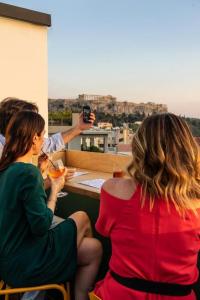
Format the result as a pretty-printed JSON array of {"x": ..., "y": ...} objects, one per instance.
[{"x": 30, "y": 252}]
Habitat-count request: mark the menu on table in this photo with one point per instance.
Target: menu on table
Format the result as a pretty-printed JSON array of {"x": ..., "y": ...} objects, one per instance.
[
  {"x": 96, "y": 183},
  {"x": 79, "y": 173}
]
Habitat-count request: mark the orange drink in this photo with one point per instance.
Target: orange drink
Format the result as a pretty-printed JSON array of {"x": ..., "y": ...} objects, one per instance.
[
  {"x": 118, "y": 174},
  {"x": 55, "y": 173},
  {"x": 56, "y": 170},
  {"x": 117, "y": 171}
]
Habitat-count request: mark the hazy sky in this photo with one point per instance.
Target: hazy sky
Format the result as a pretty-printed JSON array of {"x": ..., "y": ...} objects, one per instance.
[{"x": 144, "y": 50}]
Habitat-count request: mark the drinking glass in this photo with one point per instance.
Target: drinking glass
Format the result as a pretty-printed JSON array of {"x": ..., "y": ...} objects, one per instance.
[
  {"x": 57, "y": 169},
  {"x": 117, "y": 171}
]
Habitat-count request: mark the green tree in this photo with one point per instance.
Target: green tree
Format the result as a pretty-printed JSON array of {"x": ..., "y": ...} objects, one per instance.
[{"x": 194, "y": 125}]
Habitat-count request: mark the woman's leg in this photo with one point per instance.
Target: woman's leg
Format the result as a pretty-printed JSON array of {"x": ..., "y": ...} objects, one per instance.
[
  {"x": 89, "y": 256},
  {"x": 83, "y": 225}
]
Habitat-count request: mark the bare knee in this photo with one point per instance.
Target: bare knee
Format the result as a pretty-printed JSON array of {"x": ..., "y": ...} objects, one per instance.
[
  {"x": 82, "y": 215},
  {"x": 83, "y": 225},
  {"x": 81, "y": 219},
  {"x": 89, "y": 251}
]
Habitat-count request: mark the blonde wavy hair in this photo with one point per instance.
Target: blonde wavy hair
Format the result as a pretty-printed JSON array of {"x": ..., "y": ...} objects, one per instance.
[{"x": 166, "y": 162}]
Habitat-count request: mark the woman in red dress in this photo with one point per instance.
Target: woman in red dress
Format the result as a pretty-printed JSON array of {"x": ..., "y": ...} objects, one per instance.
[{"x": 153, "y": 218}]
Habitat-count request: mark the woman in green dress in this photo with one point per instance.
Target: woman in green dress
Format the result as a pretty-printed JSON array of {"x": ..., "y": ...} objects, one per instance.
[{"x": 30, "y": 252}]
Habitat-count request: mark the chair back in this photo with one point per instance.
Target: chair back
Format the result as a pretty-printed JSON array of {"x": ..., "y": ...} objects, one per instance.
[
  {"x": 7, "y": 291},
  {"x": 93, "y": 296}
]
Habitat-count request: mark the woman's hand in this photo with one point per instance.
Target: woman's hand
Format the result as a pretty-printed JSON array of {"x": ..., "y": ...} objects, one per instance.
[
  {"x": 58, "y": 183},
  {"x": 56, "y": 186}
]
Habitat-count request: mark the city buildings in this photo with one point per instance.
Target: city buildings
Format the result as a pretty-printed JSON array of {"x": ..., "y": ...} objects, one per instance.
[
  {"x": 105, "y": 104},
  {"x": 105, "y": 136}
]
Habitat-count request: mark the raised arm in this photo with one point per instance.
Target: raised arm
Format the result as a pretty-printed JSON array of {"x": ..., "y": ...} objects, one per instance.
[
  {"x": 78, "y": 128},
  {"x": 57, "y": 141}
]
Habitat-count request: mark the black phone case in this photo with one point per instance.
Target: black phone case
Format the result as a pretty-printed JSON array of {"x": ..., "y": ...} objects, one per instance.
[{"x": 86, "y": 114}]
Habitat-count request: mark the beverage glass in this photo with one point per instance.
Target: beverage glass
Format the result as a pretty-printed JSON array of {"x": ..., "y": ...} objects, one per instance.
[
  {"x": 117, "y": 171},
  {"x": 57, "y": 169},
  {"x": 118, "y": 174}
]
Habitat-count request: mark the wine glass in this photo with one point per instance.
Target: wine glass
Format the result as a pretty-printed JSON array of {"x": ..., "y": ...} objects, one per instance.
[
  {"x": 57, "y": 169},
  {"x": 117, "y": 171}
]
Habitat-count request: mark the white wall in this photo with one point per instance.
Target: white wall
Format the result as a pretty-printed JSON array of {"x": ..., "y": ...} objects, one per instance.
[{"x": 24, "y": 63}]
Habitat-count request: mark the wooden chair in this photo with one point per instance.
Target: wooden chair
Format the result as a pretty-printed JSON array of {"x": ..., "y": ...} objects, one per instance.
[
  {"x": 6, "y": 290},
  {"x": 93, "y": 296}
]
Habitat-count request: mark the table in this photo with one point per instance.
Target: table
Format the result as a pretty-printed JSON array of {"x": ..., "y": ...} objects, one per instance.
[{"x": 74, "y": 186}]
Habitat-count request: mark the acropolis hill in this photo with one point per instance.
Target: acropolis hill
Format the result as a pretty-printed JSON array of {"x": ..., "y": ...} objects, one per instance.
[{"x": 107, "y": 104}]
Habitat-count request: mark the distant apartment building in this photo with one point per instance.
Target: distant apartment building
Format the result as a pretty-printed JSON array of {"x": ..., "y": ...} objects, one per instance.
[
  {"x": 105, "y": 125},
  {"x": 126, "y": 135},
  {"x": 125, "y": 149}
]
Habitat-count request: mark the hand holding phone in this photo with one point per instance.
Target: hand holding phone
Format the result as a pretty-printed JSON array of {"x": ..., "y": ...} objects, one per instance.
[{"x": 86, "y": 113}]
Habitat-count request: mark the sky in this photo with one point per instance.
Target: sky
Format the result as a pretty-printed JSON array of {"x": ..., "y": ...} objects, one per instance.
[{"x": 135, "y": 50}]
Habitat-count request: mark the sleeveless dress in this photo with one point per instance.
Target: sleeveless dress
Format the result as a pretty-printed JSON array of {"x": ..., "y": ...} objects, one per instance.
[
  {"x": 159, "y": 246},
  {"x": 30, "y": 252}
]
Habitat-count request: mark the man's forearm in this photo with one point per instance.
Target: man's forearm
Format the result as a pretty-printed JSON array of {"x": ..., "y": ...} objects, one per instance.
[{"x": 68, "y": 135}]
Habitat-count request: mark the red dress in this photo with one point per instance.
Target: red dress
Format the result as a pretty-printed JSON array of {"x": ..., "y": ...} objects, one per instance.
[{"x": 158, "y": 245}]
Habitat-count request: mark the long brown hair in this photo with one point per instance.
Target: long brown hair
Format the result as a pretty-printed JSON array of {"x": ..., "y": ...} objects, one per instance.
[
  {"x": 19, "y": 136},
  {"x": 166, "y": 161}
]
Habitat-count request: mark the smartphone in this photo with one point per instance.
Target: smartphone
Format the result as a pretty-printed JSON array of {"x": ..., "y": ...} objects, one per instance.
[{"x": 86, "y": 113}]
